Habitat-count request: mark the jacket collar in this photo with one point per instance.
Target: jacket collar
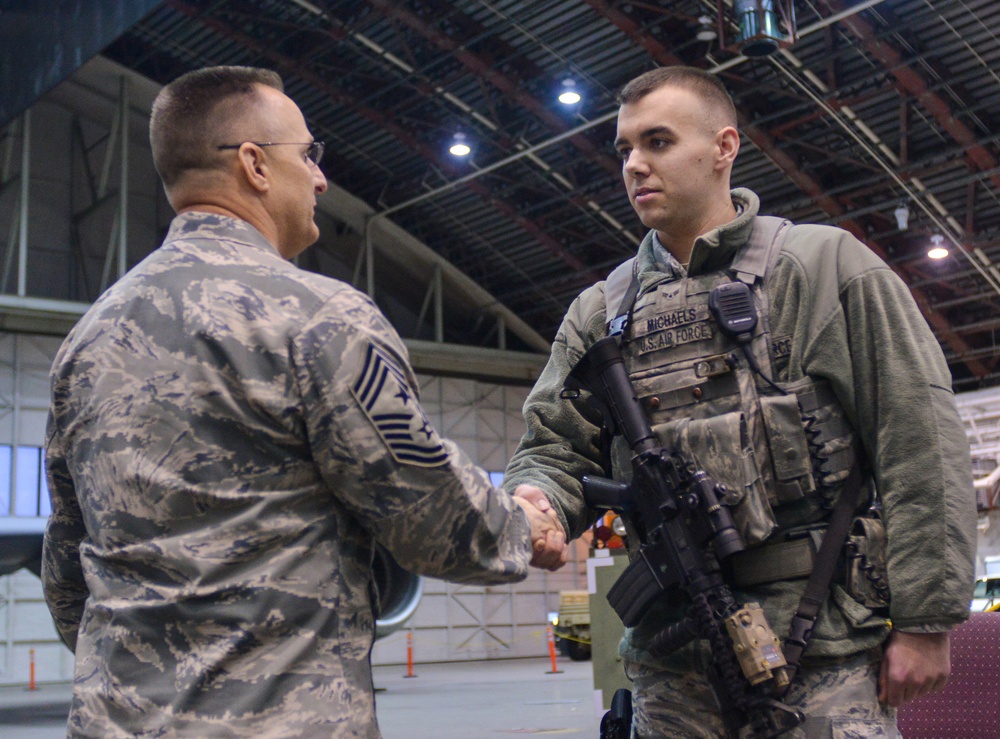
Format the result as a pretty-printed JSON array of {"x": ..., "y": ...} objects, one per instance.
[
  {"x": 201, "y": 225},
  {"x": 713, "y": 250}
]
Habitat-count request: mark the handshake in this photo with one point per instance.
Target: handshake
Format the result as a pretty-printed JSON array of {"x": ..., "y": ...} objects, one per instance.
[{"x": 548, "y": 538}]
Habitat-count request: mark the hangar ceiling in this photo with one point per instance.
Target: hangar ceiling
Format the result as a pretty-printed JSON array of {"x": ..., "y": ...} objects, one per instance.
[{"x": 877, "y": 104}]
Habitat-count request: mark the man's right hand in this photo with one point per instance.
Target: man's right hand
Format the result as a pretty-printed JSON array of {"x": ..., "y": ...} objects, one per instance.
[
  {"x": 913, "y": 665},
  {"x": 548, "y": 539}
]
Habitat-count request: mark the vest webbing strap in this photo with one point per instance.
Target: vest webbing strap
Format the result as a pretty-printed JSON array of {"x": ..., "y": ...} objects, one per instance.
[
  {"x": 818, "y": 586},
  {"x": 624, "y": 282},
  {"x": 756, "y": 258},
  {"x": 752, "y": 266}
]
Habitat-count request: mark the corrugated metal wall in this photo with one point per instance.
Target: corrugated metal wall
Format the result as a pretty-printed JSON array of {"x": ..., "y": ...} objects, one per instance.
[{"x": 25, "y": 623}]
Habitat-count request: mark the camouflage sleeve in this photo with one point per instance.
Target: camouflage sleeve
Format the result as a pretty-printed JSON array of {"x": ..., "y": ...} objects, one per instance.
[
  {"x": 562, "y": 440},
  {"x": 62, "y": 575},
  {"x": 419, "y": 495}
]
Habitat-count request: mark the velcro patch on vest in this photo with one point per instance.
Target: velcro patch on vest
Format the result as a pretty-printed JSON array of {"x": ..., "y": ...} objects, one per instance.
[
  {"x": 672, "y": 328},
  {"x": 781, "y": 351},
  {"x": 675, "y": 337},
  {"x": 669, "y": 320},
  {"x": 388, "y": 400}
]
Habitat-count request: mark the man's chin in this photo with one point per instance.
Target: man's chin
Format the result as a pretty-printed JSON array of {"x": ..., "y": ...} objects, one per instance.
[
  {"x": 651, "y": 220},
  {"x": 311, "y": 238}
]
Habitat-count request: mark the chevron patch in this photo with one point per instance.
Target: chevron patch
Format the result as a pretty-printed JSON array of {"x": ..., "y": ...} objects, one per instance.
[{"x": 391, "y": 404}]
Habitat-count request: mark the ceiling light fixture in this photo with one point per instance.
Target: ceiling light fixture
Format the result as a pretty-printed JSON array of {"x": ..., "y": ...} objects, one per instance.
[
  {"x": 569, "y": 94},
  {"x": 706, "y": 29},
  {"x": 759, "y": 34},
  {"x": 938, "y": 250},
  {"x": 459, "y": 145},
  {"x": 902, "y": 214}
]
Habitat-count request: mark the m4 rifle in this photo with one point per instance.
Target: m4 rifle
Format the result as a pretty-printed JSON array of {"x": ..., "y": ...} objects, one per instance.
[{"x": 685, "y": 532}]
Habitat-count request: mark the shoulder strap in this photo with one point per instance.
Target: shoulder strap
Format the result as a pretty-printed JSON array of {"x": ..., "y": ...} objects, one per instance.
[
  {"x": 620, "y": 290},
  {"x": 752, "y": 266},
  {"x": 758, "y": 256},
  {"x": 755, "y": 263}
]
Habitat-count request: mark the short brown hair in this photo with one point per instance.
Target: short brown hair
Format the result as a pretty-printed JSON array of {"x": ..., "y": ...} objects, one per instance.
[
  {"x": 705, "y": 85},
  {"x": 195, "y": 110}
]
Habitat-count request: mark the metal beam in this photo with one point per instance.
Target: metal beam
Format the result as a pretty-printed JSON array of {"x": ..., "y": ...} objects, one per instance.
[
  {"x": 22, "y": 242},
  {"x": 833, "y": 207},
  {"x": 381, "y": 119},
  {"x": 57, "y": 317},
  {"x": 509, "y": 87},
  {"x": 495, "y": 365},
  {"x": 913, "y": 84}
]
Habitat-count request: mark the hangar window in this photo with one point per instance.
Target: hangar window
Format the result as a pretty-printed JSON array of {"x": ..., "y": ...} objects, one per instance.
[{"x": 23, "y": 490}]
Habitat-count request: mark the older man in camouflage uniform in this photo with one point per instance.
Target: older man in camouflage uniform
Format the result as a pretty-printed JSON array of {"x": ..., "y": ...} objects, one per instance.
[
  {"x": 229, "y": 436},
  {"x": 844, "y": 362}
]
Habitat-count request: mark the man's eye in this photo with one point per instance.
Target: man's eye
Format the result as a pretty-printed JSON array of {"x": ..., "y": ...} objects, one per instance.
[
  {"x": 623, "y": 153},
  {"x": 658, "y": 143}
]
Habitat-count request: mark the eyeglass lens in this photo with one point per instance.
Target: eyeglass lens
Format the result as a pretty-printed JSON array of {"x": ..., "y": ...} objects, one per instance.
[{"x": 315, "y": 152}]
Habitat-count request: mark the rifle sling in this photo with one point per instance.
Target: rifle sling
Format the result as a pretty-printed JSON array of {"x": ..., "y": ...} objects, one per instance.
[{"x": 818, "y": 585}]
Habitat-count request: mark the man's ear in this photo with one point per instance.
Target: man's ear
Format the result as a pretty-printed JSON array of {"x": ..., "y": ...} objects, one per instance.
[
  {"x": 727, "y": 140},
  {"x": 254, "y": 167}
]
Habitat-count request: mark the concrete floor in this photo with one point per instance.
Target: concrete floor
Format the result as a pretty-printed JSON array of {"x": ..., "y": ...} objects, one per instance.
[{"x": 462, "y": 700}]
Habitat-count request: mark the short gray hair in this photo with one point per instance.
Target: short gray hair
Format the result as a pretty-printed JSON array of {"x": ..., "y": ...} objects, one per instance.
[{"x": 191, "y": 114}]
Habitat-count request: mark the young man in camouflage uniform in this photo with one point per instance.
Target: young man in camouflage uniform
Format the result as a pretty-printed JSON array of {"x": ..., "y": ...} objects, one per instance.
[
  {"x": 849, "y": 354},
  {"x": 229, "y": 437}
]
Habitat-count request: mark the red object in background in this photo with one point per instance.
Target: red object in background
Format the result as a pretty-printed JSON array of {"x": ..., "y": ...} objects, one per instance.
[
  {"x": 552, "y": 651},
  {"x": 409, "y": 654},
  {"x": 604, "y": 535},
  {"x": 969, "y": 706}
]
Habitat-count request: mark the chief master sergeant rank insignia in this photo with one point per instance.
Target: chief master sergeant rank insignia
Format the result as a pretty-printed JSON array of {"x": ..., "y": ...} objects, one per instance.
[{"x": 388, "y": 400}]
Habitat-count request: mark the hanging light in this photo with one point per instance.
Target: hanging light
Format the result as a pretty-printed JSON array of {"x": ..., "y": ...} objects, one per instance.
[
  {"x": 568, "y": 94},
  {"x": 706, "y": 29},
  {"x": 759, "y": 34},
  {"x": 902, "y": 214},
  {"x": 459, "y": 145},
  {"x": 937, "y": 250}
]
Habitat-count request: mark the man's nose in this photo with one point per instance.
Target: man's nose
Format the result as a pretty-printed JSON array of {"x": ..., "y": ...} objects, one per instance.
[
  {"x": 635, "y": 165},
  {"x": 319, "y": 181}
]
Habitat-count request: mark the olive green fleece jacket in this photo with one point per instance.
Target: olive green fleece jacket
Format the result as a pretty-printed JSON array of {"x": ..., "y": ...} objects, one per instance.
[{"x": 852, "y": 321}]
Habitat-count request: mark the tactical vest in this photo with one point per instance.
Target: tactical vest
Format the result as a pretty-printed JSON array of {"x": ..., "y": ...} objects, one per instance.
[{"x": 702, "y": 398}]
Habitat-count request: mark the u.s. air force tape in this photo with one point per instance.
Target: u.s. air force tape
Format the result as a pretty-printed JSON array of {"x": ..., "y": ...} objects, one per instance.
[{"x": 388, "y": 400}]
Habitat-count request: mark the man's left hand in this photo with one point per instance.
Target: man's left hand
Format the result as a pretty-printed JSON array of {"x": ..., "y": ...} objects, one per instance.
[{"x": 913, "y": 665}]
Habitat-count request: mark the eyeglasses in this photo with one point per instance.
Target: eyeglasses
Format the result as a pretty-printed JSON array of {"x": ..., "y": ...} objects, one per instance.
[{"x": 314, "y": 153}]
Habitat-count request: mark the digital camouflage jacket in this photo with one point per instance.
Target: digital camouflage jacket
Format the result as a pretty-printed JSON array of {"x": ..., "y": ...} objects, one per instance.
[
  {"x": 837, "y": 313},
  {"x": 229, "y": 435}
]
